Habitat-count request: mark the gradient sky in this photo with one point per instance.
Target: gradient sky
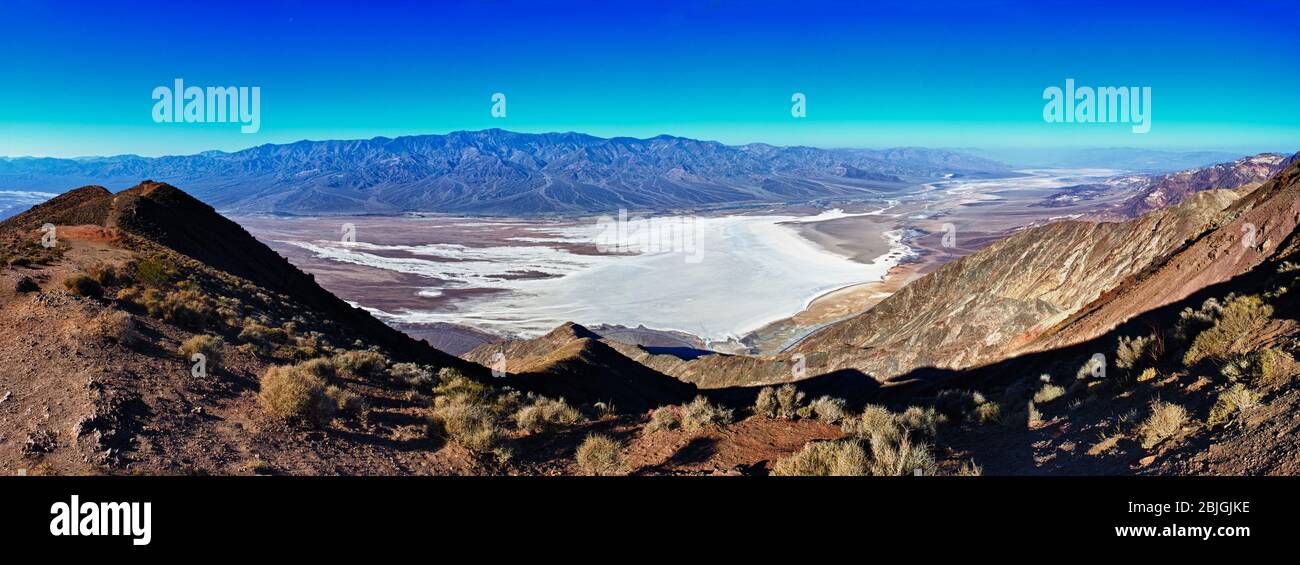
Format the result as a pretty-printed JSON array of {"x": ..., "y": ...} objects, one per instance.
[{"x": 77, "y": 76}]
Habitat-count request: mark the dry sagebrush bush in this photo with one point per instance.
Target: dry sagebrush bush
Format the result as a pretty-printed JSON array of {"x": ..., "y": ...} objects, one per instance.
[
  {"x": 766, "y": 404},
  {"x": 824, "y": 459},
  {"x": 700, "y": 413},
  {"x": 1135, "y": 352},
  {"x": 902, "y": 457},
  {"x": 788, "y": 399},
  {"x": 466, "y": 412},
  {"x": 542, "y": 414},
  {"x": 113, "y": 326},
  {"x": 874, "y": 421},
  {"x": 1274, "y": 365},
  {"x": 291, "y": 394},
  {"x": 923, "y": 419},
  {"x": 362, "y": 363},
  {"x": 601, "y": 455},
  {"x": 1048, "y": 393},
  {"x": 830, "y": 410},
  {"x": 988, "y": 413},
  {"x": 1236, "y": 399},
  {"x": 207, "y": 345},
  {"x": 1237, "y": 324},
  {"x": 411, "y": 374},
  {"x": 1165, "y": 420},
  {"x": 664, "y": 418}
]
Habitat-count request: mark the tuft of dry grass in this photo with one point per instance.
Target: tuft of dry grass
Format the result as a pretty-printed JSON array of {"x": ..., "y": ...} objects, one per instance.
[
  {"x": 1234, "y": 328},
  {"x": 824, "y": 459},
  {"x": 1274, "y": 365},
  {"x": 291, "y": 394},
  {"x": 1238, "y": 398},
  {"x": 542, "y": 414},
  {"x": 113, "y": 326},
  {"x": 1048, "y": 393},
  {"x": 601, "y": 455},
  {"x": 664, "y": 418},
  {"x": 922, "y": 419},
  {"x": 1164, "y": 420},
  {"x": 988, "y": 413},
  {"x": 208, "y": 345},
  {"x": 467, "y": 412},
  {"x": 788, "y": 399},
  {"x": 362, "y": 363},
  {"x": 766, "y": 404},
  {"x": 874, "y": 422},
  {"x": 700, "y": 413},
  {"x": 830, "y": 410},
  {"x": 411, "y": 374}
]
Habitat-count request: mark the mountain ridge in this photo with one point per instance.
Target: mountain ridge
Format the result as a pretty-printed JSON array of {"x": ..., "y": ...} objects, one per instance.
[{"x": 502, "y": 172}]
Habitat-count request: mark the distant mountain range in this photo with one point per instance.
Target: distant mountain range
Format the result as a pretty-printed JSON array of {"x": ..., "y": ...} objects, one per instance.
[
  {"x": 1146, "y": 161},
  {"x": 501, "y": 172}
]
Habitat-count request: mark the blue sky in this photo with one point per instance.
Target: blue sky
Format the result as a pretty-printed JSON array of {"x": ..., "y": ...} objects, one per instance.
[{"x": 77, "y": 77}]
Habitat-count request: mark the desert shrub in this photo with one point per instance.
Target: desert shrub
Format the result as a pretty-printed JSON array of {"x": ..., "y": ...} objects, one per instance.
[
  {"x": 829, "y": 410},
  {"x": 1274, "y": 365},
  {"x": 320, "y": 368},
  {"x": 700, "y": 413},
  {"x": 362, "y": 363},
  {"x": 113, "y": 326},
  {"x": 1237, "y": 398},
  {"x": 296, "y": 396},
  {"x": 874, "y": 422},
  {"x": 1148, "y": 374},
  {"x": 542, "y": 414},
  {"x": 26, "y": 284},
  {"x": 346, "y": 402},
  {"x": 823, "y": 459},
  {"x": 155, "y": 271},
  {"x": 766, "y": 404},
  {"x": 188, "y": 308},
  {"x": 466, "y": 412},
  {"x": 1032, "y": 416},
  {"x": 468, "y": 421},
  {"x": 82, "y": 284},
  {"x": 1163, "y": 421},
  {"x": 305, "y": 347},
  {"x": 988, "y": 413},
  {"x": 922, "y": 419},
  {"x": 107, "y": 275},
  {"x": 411, "y": 374},
  {"x": 208, "y": 345},
  {"x": 788, "y": 399},
  {"x": 256, "y": 333},
  {"x": 1048, "y": 393},
  {"x": 1191, "y": 322},
  {"x": 664, "y": 418},
  {"x": 970, "y": 469},
  {"x": 1239, "y": 322},
  {"x": 604, "y": 410},
  {"x": 601, "y": 455},
  {"x": 902, "y": 457},
  {"x": 1135, "y": 352}
]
